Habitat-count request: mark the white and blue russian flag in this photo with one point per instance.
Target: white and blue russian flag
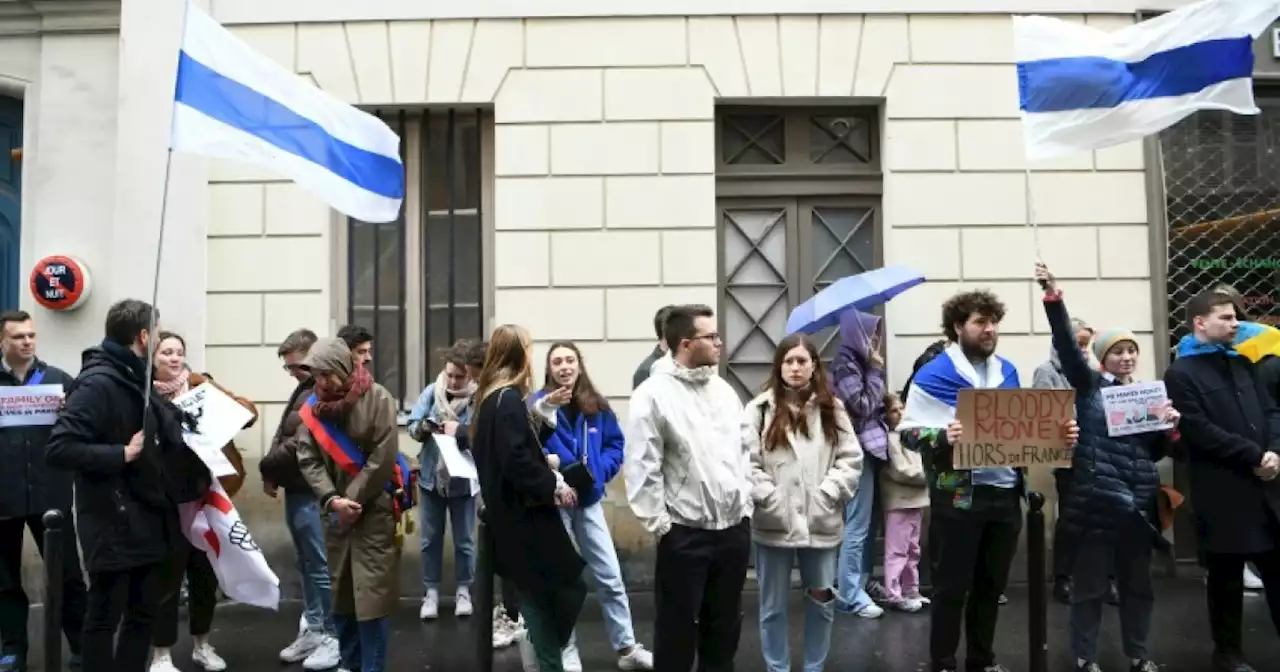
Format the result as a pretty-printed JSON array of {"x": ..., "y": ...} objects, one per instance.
[
  {"x": 935, "y": 388},
  {"x": 1081, "y": 88},
  {"x": 231, "y": 102}
]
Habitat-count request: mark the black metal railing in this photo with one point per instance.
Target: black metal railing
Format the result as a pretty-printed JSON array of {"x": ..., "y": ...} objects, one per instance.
[
  {"x": 53, "y": 580},
  {"x": 484, "y": 598},
  {"x": 1037, "y": 587}
]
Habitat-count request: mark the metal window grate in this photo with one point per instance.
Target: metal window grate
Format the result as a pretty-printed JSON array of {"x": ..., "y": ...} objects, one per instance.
[
  {"x": 375, "y": 284},
  {"x": 1222, "y": 203},
  {"x": 441, "y": 263}
]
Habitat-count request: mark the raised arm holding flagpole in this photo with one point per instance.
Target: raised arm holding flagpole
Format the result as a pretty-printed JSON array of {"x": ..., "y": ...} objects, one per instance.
[{"x": 1081, "y": 88}]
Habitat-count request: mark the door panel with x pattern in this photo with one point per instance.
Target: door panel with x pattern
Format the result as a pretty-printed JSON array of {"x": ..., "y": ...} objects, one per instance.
[
  {"x": 757, "y": 294},
  {"x": 838, "y": 236}
]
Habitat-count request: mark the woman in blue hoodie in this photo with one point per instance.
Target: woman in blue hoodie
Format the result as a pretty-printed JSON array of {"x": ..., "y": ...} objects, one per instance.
[{"x": 587, "y": 432}]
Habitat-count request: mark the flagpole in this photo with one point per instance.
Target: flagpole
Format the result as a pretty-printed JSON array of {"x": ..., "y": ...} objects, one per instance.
[
  {"x": 152, "y": 345},
  {"x": 1031, "y": 212}
]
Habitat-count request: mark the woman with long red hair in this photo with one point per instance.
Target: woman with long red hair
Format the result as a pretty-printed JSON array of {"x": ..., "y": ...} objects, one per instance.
[{"x": 805, "y": 464}]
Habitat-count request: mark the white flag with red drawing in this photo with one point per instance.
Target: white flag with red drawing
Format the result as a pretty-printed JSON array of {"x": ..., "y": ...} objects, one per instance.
[{"x": 214, "y": 527}]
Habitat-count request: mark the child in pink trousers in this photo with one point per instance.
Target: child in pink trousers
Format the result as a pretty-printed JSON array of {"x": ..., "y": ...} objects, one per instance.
[{"x": 904, "y": 494}]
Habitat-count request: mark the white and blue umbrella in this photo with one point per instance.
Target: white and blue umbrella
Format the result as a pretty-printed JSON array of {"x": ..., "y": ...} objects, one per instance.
[{"x": 863, "y": 291}]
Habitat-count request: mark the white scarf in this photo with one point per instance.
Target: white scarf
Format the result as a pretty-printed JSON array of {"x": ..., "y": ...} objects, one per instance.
[{"x": 447, "y": 410}]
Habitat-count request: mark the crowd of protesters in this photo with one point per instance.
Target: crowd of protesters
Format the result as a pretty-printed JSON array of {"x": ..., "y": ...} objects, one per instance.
[{"x": 804, "y": 474}]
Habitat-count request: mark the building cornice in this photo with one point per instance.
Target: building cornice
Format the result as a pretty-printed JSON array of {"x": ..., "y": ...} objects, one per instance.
[
  {"x": 43, "y": 17},
  {"x": 231, "y": 12}
]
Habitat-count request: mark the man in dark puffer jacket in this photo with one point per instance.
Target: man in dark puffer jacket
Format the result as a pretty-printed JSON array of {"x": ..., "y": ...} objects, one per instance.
[{"x": 1110, "y": 509}]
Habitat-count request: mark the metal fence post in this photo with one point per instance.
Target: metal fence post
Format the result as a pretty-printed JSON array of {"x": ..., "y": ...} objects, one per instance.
[
  {"x": 53, "y": 560},
  {"x": 484, "y": 598},
  {"x": 1038, "y": 592}
]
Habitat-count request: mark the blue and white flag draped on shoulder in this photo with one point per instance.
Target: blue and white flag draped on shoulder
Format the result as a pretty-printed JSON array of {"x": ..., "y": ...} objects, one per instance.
[
  {"x": 231, "y": 102},
  {"x": 1081, "y": 88},
  {"x": 931, "y": 400}
]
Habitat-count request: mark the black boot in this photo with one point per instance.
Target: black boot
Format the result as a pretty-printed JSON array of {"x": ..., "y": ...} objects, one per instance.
[{"x": 1062, "y": 589}]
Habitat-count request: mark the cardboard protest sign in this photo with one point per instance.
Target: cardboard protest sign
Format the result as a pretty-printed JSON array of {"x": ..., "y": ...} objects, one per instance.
[
  {"x": 1136, "y": 408},
  {"x": 1013, "y": 428},
  {"x": 29, "y": 405},
  {"x": 218, "y": 419}
]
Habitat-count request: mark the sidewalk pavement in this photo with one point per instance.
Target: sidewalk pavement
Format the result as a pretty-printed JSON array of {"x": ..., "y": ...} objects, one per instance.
[{"x": 250, "y": 639}]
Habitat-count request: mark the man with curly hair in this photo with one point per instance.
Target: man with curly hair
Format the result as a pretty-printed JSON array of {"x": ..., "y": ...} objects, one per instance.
[{"x": 977, "y": 515}]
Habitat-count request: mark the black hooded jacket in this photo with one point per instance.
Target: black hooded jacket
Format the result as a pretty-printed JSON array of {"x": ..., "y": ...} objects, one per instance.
[{"x": 127, "y": 512}]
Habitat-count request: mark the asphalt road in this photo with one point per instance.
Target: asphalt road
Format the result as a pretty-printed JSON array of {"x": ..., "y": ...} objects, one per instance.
[{"x": 249, "y": 639}]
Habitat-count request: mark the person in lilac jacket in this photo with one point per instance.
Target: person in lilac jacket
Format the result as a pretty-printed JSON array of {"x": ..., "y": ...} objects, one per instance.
[{"x": 858, "y": 376}]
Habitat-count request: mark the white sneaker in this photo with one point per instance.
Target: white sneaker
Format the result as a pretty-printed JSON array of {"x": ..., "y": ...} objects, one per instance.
[
  {"x": 430, "y": 606},
  {"x": 640, "y": 658},
  {"x": 1251, "y": 580},
  {"x": 207, "y": 659},
  {"x": 504, "y": 631},
  {"x": 163, "y": 663},
  {"x": 325, "y": 657},
  {"x": 871, "y": 611},
  {"x": 907, "y": 604},
  {"x": 569, "y": 658},
  {"x": 462, "y": 602},
  {"x": 301, "y": 647},
  {"x": 528, "y": 658}
]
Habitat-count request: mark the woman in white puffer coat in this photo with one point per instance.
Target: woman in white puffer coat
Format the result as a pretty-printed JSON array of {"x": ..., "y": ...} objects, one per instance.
[{"x": 805, "y": 464}]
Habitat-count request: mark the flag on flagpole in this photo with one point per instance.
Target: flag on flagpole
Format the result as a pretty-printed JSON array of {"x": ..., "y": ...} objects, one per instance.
[
  {"x": 1081, "y": 88},
  {"x": 231, "y": 102},
  {"x": 213, "y": 525}
]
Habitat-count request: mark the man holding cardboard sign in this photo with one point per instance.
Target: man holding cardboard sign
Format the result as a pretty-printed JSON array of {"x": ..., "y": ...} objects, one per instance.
[
  {"x": 977, "y": 512},
  {"x": 1013, "y": 428}
]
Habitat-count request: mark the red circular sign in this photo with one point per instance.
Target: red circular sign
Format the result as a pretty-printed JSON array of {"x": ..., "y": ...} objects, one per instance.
[{"x": 60, "y": 283}]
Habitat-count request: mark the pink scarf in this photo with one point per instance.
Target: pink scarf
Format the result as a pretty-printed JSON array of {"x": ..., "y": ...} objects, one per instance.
[{"x": 170, "y": 389}]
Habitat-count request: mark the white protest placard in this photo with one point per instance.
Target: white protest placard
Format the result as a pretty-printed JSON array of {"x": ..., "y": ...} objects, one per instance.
[
  {"x": 218, "y": 419},
  {"x": 459, "y": 464},
  {"x": 29, "y": 405},
  {"x": 1136, "y": 408}
]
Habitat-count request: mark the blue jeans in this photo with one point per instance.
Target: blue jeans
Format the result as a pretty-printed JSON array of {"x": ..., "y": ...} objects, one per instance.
[
  {"x": 773, "y": 574},
  {"x": 302, "y": 517},
  {"x": 363, "y": 643},
  {"x": 588, "y": 527},
  {"x": 857, "y": 553},
  {"x": 462, "y": 512}
]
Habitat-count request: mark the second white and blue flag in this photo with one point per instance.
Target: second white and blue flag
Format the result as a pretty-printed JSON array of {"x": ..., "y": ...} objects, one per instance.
[{"x": 1081, "y": 88}]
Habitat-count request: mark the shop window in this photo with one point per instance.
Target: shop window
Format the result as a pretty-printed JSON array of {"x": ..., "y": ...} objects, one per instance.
[
  {"x": 418, "y": 283},
  {"x": 1221, "y": 187}
]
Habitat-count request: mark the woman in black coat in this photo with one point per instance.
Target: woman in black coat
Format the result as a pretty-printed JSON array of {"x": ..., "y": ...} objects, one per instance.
[
  {"x": 521, "y": 494},
  {"x": 1111, "y": 508}
]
